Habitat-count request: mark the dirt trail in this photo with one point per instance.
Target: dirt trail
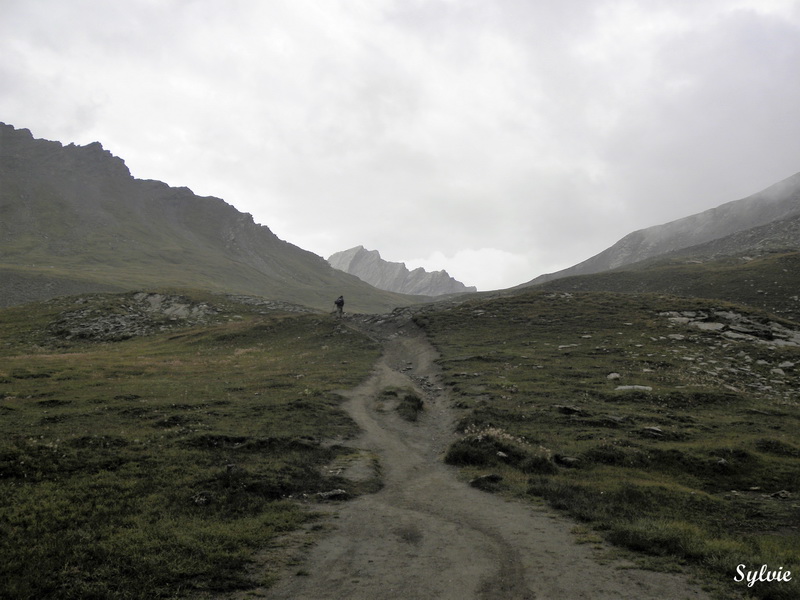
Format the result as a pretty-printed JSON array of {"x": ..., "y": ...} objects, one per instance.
[{"x": 427, "y": 535}]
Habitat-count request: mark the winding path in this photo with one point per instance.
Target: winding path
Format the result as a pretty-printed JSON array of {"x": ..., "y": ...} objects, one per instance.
[{"x": 427, "y": 535}]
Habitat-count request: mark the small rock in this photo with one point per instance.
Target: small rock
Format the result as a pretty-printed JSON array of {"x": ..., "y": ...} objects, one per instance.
[
  {"x": 613, "y": 376},
  {"x": 783, "y": 495},
  {"x": 705, "y": 326},
  {"x": 654, "y": 431},
  {"x": 735, "y": 336},
  {"x": 337, "y": 494},
  {"x": 570, "y": 462}
]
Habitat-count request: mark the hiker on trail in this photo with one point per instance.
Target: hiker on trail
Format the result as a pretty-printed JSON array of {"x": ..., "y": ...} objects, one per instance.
[{"x": 339, "y": 302}]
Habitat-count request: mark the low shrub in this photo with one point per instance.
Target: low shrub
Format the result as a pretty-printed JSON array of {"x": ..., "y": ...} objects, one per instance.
[
  {"x": 410, "y": 406},
  {"x": 491, "y": 446}
]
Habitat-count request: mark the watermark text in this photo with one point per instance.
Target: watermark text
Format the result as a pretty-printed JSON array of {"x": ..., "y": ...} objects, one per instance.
[{"x": 763, "y": 574}]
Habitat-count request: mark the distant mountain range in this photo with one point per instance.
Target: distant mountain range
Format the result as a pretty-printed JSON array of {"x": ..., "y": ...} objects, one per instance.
[
  {"x": 393, "y": 276},
  {"x": 74, "y": 220}
]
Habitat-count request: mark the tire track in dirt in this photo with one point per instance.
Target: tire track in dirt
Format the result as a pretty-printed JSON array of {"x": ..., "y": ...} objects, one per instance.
[{"x": 427, "y": 535}]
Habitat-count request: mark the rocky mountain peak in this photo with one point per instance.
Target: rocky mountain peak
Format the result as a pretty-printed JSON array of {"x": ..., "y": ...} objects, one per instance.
[
  {"x": 368, "y": 266},
  {"x": 18, "y": 148}
]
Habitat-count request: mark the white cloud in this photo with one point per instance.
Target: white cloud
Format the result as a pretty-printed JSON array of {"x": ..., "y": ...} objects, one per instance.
[{"x": 485, "y": 268}]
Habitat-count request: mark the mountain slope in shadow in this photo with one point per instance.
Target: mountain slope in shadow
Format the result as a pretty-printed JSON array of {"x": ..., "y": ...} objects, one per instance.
[{"x": 73, "y": 219}]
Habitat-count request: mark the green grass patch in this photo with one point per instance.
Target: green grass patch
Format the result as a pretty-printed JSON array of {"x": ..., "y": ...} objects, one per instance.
[
  {"x": 674, "y": 441},
  {"x": 769, "y": 281},
  {"x": 404, "y": 401},
  {"x": 161, "y": 466},
  {"x": 410, "y": 406}
]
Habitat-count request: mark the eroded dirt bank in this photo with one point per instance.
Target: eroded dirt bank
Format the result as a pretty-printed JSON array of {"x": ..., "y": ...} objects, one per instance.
[{"x": 427, "y": 535}]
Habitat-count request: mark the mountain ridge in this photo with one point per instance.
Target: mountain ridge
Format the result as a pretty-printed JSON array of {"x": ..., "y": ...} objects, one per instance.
[
  {"x": 777, "y": 202},
  {"x": 73, "y": 217},
  {"x": 394, "y": 276}
]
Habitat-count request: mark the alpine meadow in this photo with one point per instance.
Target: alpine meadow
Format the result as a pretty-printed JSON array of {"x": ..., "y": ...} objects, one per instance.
[{"x": 184, "y": 415}]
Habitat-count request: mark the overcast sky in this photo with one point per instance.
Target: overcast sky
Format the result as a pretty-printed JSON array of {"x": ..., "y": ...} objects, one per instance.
[{"x": 496, "y": 139}]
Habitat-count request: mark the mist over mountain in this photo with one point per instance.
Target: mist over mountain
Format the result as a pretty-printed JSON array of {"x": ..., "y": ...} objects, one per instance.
[
  {"x": 757, "y": 266},
  {"x": 393, "y": 276},
  {"x": 764, "y": 220},
  {"x": 73, "y": 220},
  {"x": 782, "y": 234}
]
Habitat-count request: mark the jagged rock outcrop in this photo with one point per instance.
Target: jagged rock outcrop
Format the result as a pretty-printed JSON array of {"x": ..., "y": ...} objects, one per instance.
[
  {"x": 128, "y": 315},
  {"x": 115, "y": 317},
  {"x": 368, "y": 266},
  {"x": 779, "y": 202}
]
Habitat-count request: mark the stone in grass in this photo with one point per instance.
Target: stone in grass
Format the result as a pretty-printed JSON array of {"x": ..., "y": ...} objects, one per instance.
[
  {"x": 653, "y": 431},
  {"x": 337, "y": 494},
  {"x": 569, "y": 462}
]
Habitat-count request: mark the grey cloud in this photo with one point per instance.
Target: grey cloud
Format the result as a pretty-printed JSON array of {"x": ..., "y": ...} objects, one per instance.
[{"x": 531, "y": 133}]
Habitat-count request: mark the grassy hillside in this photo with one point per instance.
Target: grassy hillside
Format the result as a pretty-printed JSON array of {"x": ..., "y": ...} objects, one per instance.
[
  {"x": 643, "y": 416},
  {"x": 161, "y": 465},
  {"x": 770, "y": 281}
]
